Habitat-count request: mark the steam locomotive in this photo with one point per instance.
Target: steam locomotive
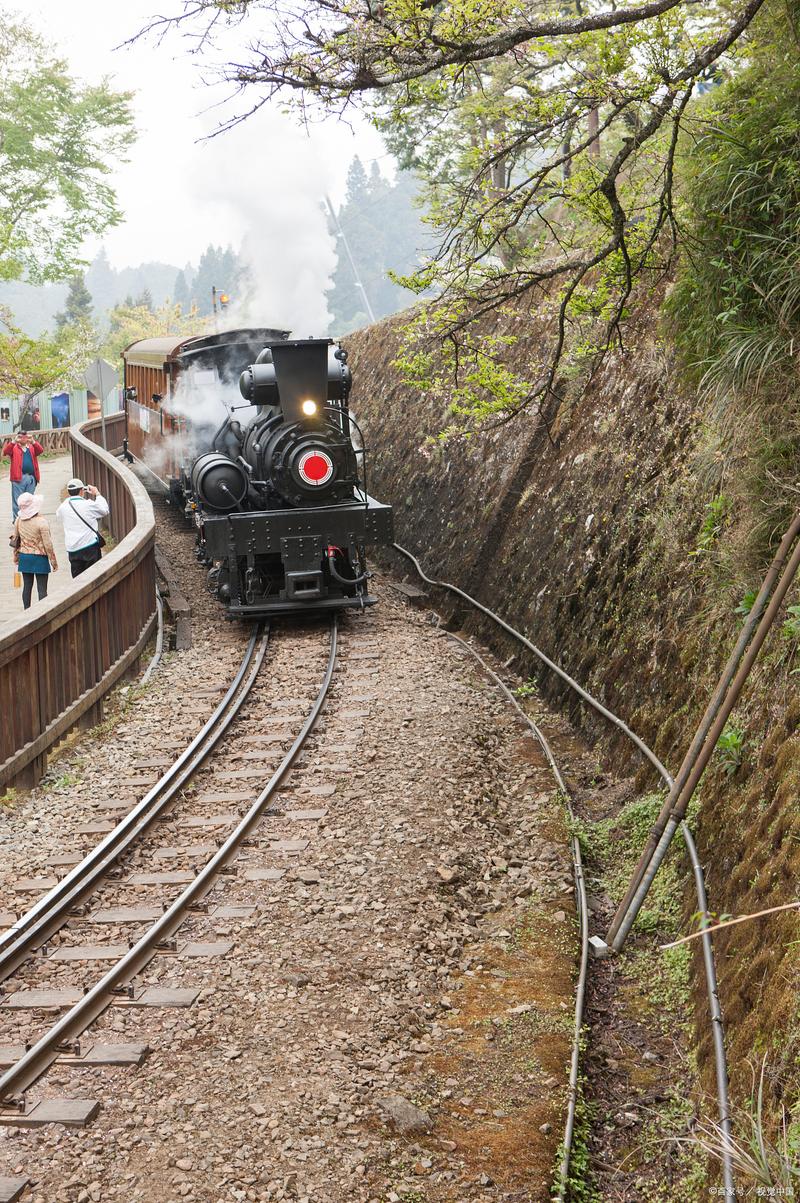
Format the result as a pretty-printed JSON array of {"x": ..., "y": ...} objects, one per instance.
[{"x": 280, "y": 499}]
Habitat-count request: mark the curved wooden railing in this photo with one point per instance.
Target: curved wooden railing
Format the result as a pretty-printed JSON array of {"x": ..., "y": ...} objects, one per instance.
[{"x": 56, "y": 666}]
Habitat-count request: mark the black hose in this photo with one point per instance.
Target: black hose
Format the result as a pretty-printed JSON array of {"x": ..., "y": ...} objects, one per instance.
[
  {"x": 708, "y": 954},
  {"x": 345, "y": 580}
]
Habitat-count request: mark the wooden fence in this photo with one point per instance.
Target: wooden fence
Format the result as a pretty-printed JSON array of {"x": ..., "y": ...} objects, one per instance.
[
  {"x": 60, "y": 440},
  {"x": 52, "y": 440},
  {"x": 56, "y": 666}
]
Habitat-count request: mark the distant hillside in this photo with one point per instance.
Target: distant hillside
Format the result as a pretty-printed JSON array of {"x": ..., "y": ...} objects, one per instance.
[{"x": 35, "y": 309}]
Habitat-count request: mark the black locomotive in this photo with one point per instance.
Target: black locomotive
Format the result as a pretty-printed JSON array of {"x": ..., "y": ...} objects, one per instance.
[{"x": 281, "y": 503}]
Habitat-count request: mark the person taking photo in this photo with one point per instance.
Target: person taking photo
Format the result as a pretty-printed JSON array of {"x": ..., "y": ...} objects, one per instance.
[
  {"x": 80, "y": 516},
  {"x": 24, "y": 452}
]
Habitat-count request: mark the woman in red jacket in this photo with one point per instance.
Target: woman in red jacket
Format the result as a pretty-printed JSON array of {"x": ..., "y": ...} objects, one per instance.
[{"x": 24, "y": 453}]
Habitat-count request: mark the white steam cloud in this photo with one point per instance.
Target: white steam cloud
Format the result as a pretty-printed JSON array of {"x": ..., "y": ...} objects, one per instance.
[{"x": 269, "y": 206}]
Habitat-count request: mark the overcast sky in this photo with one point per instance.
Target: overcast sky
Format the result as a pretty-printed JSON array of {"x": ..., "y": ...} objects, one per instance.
[{"x": 261, "y": 183}]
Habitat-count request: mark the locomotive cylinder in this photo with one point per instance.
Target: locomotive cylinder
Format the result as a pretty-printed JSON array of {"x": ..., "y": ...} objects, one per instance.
[{"x": 219, "y": 482}]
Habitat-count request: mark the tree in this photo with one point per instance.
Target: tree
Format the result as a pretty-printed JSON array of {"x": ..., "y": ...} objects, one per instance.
[
  {"x": 346, "y": 302},
  {"x": 59, "y": 144},
  {"x": 220, "y": 269},
  {"x": 132, "y": 321},
  {"x": 383, "y": 231},
  {"x": 78, "y": 306},
  {"x": 28, "y": 365},
  {"x": 557, "y": 133},
  {"x": 144, "y": 299},
  {"x": 180, "y": 293},
  {"x": 101, "y": 280}
]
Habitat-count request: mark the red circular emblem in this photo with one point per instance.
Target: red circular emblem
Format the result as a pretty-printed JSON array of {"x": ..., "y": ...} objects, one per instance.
[{"x": 315, "y": 468}]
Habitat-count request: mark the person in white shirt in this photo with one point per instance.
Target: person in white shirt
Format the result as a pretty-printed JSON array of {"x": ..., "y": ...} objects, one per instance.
[{"x": 80, "y": 516}]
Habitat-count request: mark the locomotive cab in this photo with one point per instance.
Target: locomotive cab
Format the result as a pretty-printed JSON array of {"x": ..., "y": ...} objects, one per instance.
[{"x": 281, "y": 503}]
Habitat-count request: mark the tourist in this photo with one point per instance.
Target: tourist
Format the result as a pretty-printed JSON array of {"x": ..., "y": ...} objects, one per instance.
[
  {"x": 80, "y": 516},
  {"x": 24, "y": 453},
  {"x": 33, "y": 547}
]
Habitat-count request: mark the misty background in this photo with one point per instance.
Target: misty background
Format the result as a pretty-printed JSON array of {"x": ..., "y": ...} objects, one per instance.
[
  {"x": 260, "y": 212},
  {"x": 280, "y": 276}
]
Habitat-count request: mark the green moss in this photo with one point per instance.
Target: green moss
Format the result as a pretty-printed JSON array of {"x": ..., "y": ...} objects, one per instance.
[
  {"x": 580, "y": 1186},
  {"x": 687, "y": 1181}
]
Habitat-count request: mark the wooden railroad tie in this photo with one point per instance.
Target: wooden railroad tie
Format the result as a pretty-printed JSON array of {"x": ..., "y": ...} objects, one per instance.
[{"x": 178, "y": 606}]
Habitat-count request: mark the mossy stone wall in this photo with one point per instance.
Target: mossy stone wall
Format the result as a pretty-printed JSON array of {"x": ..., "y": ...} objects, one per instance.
[{"x": 583, "y": 531}]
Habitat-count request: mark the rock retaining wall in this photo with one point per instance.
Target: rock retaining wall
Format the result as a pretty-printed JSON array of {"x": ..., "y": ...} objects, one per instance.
[{"x": 587, "y": 533}]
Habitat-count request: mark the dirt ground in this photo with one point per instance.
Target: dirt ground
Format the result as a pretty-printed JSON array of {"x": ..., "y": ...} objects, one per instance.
[{"x": 399, "y": 1028}]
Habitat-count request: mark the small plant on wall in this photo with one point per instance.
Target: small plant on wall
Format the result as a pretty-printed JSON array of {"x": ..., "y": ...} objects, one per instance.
[{"x": 731, "y": 748}]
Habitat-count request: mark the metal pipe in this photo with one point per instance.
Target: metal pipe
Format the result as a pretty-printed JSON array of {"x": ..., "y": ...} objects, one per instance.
[
  {"x": 706, "y": 752},
  {"x": 701, "y": 734},
  {"x": 717, "y": 1028},
  {"x": 159, "y": 641},
  {"x": 573, "y": 684},
  {"x": 583, "y": 922},
  {"x": 710, "y": 968}
]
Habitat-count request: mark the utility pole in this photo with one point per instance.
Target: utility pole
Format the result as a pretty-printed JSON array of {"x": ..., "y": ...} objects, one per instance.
[
  {"x": 218, "y": 294},
  {"x": 346, "y": 245},
  {"x": 102, "y": 405}
]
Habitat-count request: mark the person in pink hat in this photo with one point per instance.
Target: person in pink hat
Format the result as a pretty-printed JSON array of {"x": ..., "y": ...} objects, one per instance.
[{"x": 34, "y": 554}]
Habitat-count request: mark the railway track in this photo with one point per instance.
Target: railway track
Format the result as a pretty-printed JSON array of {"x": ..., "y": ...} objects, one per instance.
[
  {"x": 257, "y": 733},
  {"x": 133, "y": 980},
  {"x": 129, "y": 1024}
]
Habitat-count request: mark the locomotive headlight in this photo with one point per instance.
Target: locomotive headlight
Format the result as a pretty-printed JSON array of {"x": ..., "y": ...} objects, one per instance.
[{"x": 309, "y": 408}]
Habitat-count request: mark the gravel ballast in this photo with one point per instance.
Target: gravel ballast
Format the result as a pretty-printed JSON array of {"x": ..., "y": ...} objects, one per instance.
[{"x": 393, "y": 1018}]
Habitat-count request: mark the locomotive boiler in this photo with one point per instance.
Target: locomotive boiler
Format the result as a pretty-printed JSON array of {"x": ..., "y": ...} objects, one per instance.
[{"x": 280, "y": 502}]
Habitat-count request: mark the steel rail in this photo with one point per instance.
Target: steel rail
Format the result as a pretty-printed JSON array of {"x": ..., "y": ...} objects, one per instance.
[
  {"x": 583, "y": 922},
  {"x": 50, "y": 912},
  {"x": 712, "y": 989},
  {"x": 38, "y": 1059}
]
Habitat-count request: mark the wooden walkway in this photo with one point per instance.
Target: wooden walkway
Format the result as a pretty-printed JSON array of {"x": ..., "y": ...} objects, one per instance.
[{"x": 55, "y": 474}]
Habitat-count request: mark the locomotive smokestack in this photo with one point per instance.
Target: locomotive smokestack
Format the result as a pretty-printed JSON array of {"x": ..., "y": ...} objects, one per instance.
[
  {"x": 298, "y": 376},
  {"x": 301, "y": 371}
]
